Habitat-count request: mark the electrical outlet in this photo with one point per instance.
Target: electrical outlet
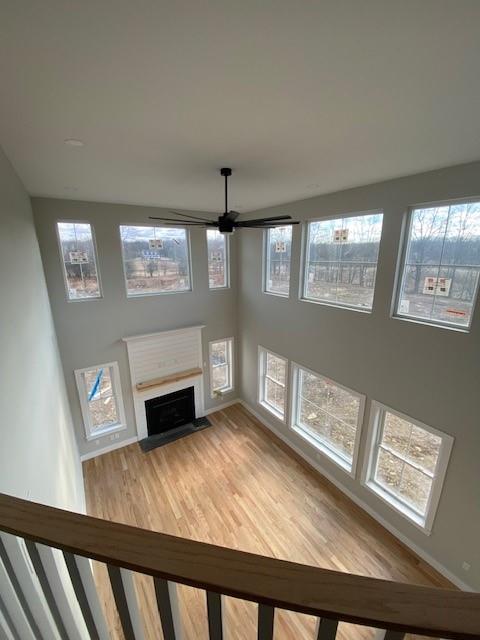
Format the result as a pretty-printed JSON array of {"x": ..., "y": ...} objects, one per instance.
[
  {"x": 466, "y": 566},
  {"x": 117, "y": 435},
  {"x": 97, "y": 442},
  {"x": 112, "y": 436}
]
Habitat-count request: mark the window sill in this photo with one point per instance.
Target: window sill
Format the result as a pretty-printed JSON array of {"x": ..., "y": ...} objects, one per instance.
[
  {"x": 433, "y": 325},
  {"x": 319, "y": 446},
  {"x": 226, "y": 288},
  {"x": 271, "y": 409},
  {"x": 337, "y": 305},
  {"x": 100, "y": 433},
  {"x": 134, "y": 296},
  {"x": 219, "y": 393},
  {"x": 415, "y": 518},
  {"x": 285, "y": 296}
]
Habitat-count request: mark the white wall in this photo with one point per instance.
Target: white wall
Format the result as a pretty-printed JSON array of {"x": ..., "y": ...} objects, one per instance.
[
  {"x": 38, "y": 453},
  {"x": 429, "y": 373}
]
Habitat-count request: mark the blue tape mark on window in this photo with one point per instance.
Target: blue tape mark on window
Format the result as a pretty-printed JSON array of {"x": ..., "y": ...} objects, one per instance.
[{"x": 96, "y": 385}]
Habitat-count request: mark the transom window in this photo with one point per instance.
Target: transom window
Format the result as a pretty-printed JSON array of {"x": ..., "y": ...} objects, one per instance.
[
  {"x": 218, "y": 259},
  {"x": 77, "y": 250},
  {"x": 341, "y": 260},
  {"x": 101, "y": 399},
  {"x": 273, "y": 382},
  {"x": 407, "y": 463},
  {"x": 221, "y": 366},
  {"x": 278, "y": 252},
  {"x": 155, "y": 259},
  {"x": 328, "y": 415},
  {"x": 441, "y": 265}
]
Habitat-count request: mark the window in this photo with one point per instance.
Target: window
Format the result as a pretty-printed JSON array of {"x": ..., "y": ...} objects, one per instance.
[
  {"x": 77, "y": 248},
  {"x": 441, "y": 265},
  {"x": 341, "y": 260},
  {"x": 272, "y": 382},
  {"x": 328, "y": 416},
  {"x": 218, "y": 259},
  {"x": 156, "y": 259},
  {"x": 221, "y": 366},
  {"x": 101, "y": 399},
  {"x": 278, "y": 251},
  {"x": 407, "y": 463}
]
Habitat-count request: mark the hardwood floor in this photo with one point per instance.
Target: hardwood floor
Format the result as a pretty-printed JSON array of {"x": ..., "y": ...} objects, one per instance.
[{"x": 233, "y": 485}]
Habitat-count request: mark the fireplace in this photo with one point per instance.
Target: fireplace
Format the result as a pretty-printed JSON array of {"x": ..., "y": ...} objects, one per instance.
[{"x": 169, "y": 411}]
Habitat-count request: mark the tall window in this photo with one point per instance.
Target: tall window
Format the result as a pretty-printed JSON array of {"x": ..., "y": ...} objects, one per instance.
[
  {"x": 218, "y": 259},
  {"x": 101, "y": 399},
  {"x": 77, "y": 249},
  {"x": 341, "y": 260},
  {"x": 272, "y": 382},
  {"x": 441, "y": 264},
  {"x": 155, "y": 259},
  {"x": 278, "y": 251},
  {"x": 328, "y": 416},
  {"x": 221, "y": 366},
  {"x": 407, "y": 463}
]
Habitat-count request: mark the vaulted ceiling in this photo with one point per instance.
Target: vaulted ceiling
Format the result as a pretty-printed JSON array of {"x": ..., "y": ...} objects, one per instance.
[{"x": 299, "y": 97}]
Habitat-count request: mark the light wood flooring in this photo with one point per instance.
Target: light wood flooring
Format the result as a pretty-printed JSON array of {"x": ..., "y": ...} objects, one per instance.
[{"x": 234, "y": 485}]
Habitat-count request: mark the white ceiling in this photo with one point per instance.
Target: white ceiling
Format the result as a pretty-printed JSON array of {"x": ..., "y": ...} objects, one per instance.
[{"x": 299, "y": 97}]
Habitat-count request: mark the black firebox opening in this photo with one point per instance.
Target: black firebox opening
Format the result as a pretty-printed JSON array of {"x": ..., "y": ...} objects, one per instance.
[{"x": 170, "y": 411}]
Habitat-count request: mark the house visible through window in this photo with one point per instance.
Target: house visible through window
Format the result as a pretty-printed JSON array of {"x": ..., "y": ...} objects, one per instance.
[
  {"x": 278, "y": 251},
  {"x": 407, "y": 463},
  {"x": 341, "y": 260},
  {"x": 328, "y": 415},
  {"x": 218, "y": 259},
  {"x": 221, "y": 366},
  {"x": 77, "y": 249},
  {"x": 272, "y": 382},
  {"x": 155, "y": 259},
  {"x": 100, "y": 399},
  {"x": 441, "y": 264}
]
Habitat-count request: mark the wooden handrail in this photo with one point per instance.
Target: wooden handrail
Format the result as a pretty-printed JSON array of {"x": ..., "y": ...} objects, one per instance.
[{"x": 287, "y": 585}]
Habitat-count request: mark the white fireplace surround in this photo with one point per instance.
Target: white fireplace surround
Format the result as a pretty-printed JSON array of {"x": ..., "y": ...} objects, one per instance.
[{"x": 155, "y": 355}]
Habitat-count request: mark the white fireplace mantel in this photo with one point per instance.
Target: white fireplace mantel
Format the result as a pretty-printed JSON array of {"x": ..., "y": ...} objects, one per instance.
[{"x": 154, "y": 355}]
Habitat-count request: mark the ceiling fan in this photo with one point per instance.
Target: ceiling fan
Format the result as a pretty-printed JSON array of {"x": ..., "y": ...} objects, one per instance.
[{"x": 227, "y": 222}]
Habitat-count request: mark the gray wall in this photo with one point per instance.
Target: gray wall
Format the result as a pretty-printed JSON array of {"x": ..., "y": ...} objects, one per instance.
[
  {"x": 38, "y": 453},
  {"x": 90, "y": 332},
  {"x": 429, "y": 373}
]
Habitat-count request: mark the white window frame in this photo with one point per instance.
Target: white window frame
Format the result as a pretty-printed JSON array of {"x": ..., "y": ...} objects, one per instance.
[
  {"x": 218, "y": 393},
  {"x": 90, "y": 432},
  {"x": 226, "y": 238},
  {"x": 375, "y": 431},
  {"x": 132, "y": 296},
  {"x": 305, "y": 263},
  {"x": 262, "y": 377},
  {"x": 64, "y": 268},
  {"x": 317, "y": 443},
  {"x": 266, "y": 266},
  {"x": 400, "y": 275}
]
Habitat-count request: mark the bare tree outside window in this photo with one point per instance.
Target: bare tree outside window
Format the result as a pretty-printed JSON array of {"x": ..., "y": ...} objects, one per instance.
[
  {"x": 156, "y": 259},
  {"x": 442, "y": 263},
  {"x": 218, "y": 259},
  {"x": 278, "y": 253},
  {"x": 341, "y": 260},
  {"x": 77, "y": 250}
]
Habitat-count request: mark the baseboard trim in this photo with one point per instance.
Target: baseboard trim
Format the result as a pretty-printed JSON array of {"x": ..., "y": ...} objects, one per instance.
[
  {"x": 418, "y": 551},
  {"x": 220, "y": 407},
  {"x": 111, "y": 447}
]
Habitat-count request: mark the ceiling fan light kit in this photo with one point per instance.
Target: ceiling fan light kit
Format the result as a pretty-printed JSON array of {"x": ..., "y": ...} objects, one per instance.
[{"x": 227, "y": 222}]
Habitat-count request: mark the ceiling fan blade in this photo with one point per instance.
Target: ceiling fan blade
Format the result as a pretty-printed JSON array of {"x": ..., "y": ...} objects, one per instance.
[
  {"x": 187, "y": 215},
  {"x": 262, "y": 225},
  {"x": 173, "y": 220},
  {"x": 272, "y": 219}
]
